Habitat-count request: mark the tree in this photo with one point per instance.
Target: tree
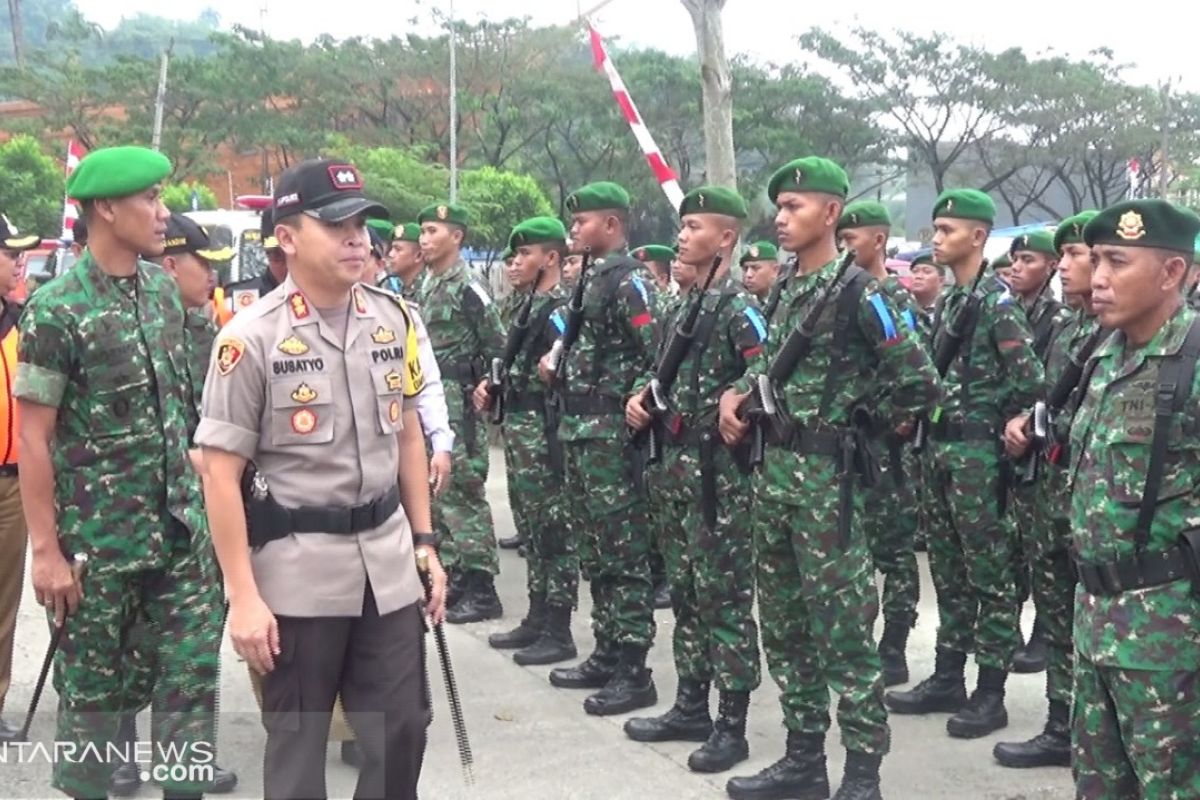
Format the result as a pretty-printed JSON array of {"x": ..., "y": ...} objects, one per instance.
[
  {"x": 719, "y": 162},
  {"x": 178, "y": 197},
  {"x": 33, "y": 187},
  {"x": 497, "y": 200}
]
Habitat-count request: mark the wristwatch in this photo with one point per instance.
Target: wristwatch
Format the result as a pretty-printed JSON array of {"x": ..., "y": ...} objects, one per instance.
[{"x": 425, "y": 540}]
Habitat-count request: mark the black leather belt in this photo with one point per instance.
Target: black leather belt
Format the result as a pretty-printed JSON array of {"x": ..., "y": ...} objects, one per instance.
[
  {"x": 8, "y": 470},
  {"x": 458, "y": 373},
  {"x": 946, "y": 431},
  {"x": 809, "y": 442},
  {"x": 1136, "y": 572},
  {"x": 517, "y": 402},
  {"x": 338, "y": 519},
  {"x": 580, "y": 405}
]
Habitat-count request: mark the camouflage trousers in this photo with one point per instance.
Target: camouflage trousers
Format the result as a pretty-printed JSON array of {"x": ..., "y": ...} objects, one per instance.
[
  {"x": 1023, "y": 514},
  {"x": 541, "y": 513},
  {"x": 817, "y": 602},
  {"x": 710, "y": 569},
  {"x": 462, "y": 518},
  {"x": 971, "y": 553},
  {"x": 140, "y": 637},
  {"x": 615, "y": 539},
  {"x": 890, "y": 523},
  {"x": 1135, "y": 733}
]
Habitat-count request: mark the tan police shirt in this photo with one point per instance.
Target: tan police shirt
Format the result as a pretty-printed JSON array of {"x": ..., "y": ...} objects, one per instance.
[{"x": 320, "y": 421}]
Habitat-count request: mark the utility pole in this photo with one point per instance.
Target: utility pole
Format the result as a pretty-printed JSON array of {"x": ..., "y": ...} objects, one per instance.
[
  {"x": 161, "y": 97},
  {"x": 1164, "y": 156},
  {"x": 453, "y": 112}
]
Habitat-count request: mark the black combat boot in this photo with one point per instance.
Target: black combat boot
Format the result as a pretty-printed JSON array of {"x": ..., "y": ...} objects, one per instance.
[
  {"x": 944, "y": 691},
  {"x": 479, "y": 602},
  {"x": 528, "y": 631},
  {"x": 686, "y": 721},
  {"x": 891, "y": 652},
  {"x": 861, "y": 778},
  {"x": 799, "y": 775},
  {"x": 511, "y": 542},
  {"x": 456, "y": 587},
  {"x": 630, "y": 688},
  {"x": 555, "y": 642},
  {"x": 224, "y": 781},
  {"x": 984, "y": 712},
  {"x": 126, "y": 778},
  {"x": 593, "y": 673},
  {"x": 1050, "y": 748},
  {"x": 727, "y": 745},
  {"x": 1032, "y": 657}
]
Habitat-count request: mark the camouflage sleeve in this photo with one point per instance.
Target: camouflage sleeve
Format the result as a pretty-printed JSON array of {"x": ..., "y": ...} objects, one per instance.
[
  {"x": 1022, "y": 375},
  {"x": 906, "y": 384},
  {"x": 234, "y": 397},
  {"x": 45, "y": 356},
  {"x": 485, "y": 317},
  {"x": 747, "y": 331},
  {"x": 634, "y": 307}
]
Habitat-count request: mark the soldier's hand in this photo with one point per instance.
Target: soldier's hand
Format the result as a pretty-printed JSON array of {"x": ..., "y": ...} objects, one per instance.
[
  {"x": 255, "y": 633},
  {"x": 545, "y": 371},
  {"x": 733, "y": 429},
  {"x": 54, "y": 584},
  {"x": 439, "y": 472},
  {"x": 636, "y": 416},
  {"x": 1016, "y": 443},
  {"x": 480, "y": 396},
  {"x": 435, "y": 605}
]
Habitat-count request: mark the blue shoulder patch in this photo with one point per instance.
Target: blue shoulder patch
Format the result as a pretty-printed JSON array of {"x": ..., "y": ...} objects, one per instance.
[
  {"x": 910, "y": 319},
  {"x": 884, "y": 314},
  {"x": 556, "y": 319},
  {"x": 641, "y": 288},
  {"x": 756, "y": 319}
]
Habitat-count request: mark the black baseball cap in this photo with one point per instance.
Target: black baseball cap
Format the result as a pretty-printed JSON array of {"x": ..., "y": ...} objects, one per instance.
[
  {"x": 13, "y": 239},
  {"x": 184, "y": 235},
  {"x": 328, "y": 189}
]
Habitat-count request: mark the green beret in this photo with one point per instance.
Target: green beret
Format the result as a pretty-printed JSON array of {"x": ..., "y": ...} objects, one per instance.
[
  {"x": 384, "y": 228},
  {"x": 1144, "y": 223},
  {"x": 117, "y": 172},
  {"x": 864, "y": 214},
  {"x": 537, "y": 230},
  {"x": 811, "y": 174},
  {"x": 408, "y": 232},
  {"x": 1001, "y": 261},
  {"x": 713, "y": 200},
  {"x": 655, "y": 252},
  {"x": 449, "y": 213},
  {"x": 1070, "y": 230},
  {"x": 965, "y": 204},
  {"x": 760, "y": 251},
  {"x": 1041, "y": 241},
  {"x": 598, "y": 196},
  {"x": 924, "y": 258}
]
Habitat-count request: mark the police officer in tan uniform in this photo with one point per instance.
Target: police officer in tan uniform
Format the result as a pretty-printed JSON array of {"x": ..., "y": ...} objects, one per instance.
[{"x": 313, "y": 386}]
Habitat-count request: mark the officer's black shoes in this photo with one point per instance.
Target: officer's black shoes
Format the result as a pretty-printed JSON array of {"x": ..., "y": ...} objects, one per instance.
[
  {"x": 479, "y": 601},
  {"x": 593, "y": 673},
  {"x": 891, "y": 652},
  {"x": 686, "y": 721},
  {"x": 662, "y": 594},
  {"x": 861, "y": 779},
  {"x": 1032, "y": 657},
  {"x": 554, "y": 643},
  {"x": 351, "y": 754},
  {"x": 528, "y": 631},
  {"x": 799, "y": 775},
  {"x": 944, "y": 691},
  {"x": 125, "y": 780},
  {"x": 984, "y": 713},
  {"x": 727, "y": 744},
  {"x": 512, "y": 542},
  {"x": 1050, "y": 748},
  {"x": 630, "y": 688}
]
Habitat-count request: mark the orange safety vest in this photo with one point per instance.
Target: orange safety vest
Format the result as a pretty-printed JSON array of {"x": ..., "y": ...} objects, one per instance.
[{"x": 8, "y": 364}]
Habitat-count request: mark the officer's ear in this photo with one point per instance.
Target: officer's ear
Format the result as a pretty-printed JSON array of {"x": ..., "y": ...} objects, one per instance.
[
  {"x": 1175, "y": 271},
  {"x": 287, "y": 237},
  {"x": 103, "y": 209},
  {"x": 458, "y": 235},
  {"x": 170, "y": 265},
  {"x": 979, "y": 234},
  {"x": 833, "y": 213}
]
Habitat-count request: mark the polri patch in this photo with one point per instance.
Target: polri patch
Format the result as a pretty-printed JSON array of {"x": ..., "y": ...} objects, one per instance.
[{"x": 229, "y": 353}]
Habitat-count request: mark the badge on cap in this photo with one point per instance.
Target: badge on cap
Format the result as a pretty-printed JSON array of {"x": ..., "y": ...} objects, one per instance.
[
  {"x": 394, "y": 381},
  {"x": 383, "y": 335},
  {"x": 799, "y": 175},
  {"x": 572, "y": 202},
  {"x": 854, "y": 218},
  {"x": 1130, "y": 227},
  {"x": 293, "y": 346},
  {"x": 304, "y": 421},
  {"x": 950, "y": 204},
  {"x": 443, "y": 212},
  {"x": 304, "y": 394},
  {"x": 394, "y": 410},
  {"x": 754, "y": 251},
  {"x": 229, "y": 353},
  {"x": 299, "y": 305},
  {"x": 700, "y": 199},
  {"x": 344, "y": 177}
]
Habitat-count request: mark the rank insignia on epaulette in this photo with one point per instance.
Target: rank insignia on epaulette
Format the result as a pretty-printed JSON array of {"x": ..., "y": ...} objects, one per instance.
[
  {"x": 383, "y": 335},
  {"x": 304, "y": 394},
  {"x": 394, "y": 381},
  {"x": 229, "y": 353},
  {"x": 304, "y": 421},
  {"x": 299, "y": 305},
  {"x": 360, "y": 302},
  {"x": 293, "y": 346}
]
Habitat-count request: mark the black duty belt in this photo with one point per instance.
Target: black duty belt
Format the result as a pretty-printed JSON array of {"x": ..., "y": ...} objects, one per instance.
[
  {"x": 8, "y": 470},
  {"x": 1136, "y": 572},
  {"x": 458, "y": 373},
  {"x": 808, "y": 442},
  {"x": 517, "y": 402},
  {"x": 946, "y": 431},
  {"x": 270, "y": 520},
  {"x": 581, "y": 405}
]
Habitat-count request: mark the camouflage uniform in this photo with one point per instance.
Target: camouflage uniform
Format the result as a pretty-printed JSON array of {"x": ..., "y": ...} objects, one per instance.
[
  {"x": 466, "y": 333},
  {"x": 1136, "y": 713},
  {"x": 614, "y": 349},
  {"x": 125, "y": 409},
  {"x": 816, "y": 592},
  {"x": 710, "y": 564}
]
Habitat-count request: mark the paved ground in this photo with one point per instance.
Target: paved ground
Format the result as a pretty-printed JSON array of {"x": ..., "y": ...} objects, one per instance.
[{"x": 534, "y": 742}]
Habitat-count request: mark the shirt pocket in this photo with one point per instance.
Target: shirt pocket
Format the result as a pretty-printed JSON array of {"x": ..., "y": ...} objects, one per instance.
[
  {"x": 1129, "y": 463},
  {"x": 120, "y": 397},
  {"x": 388, "y": 385},
  {"x": 301, "y": 411}
]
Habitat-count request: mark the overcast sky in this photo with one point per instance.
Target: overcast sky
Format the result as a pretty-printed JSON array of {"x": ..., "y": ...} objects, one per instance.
[{"x": 1137, "y": 32}]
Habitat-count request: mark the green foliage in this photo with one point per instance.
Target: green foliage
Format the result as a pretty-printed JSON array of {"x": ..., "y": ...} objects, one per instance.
[
  {"x": 498, "y": 200},
  {"x": 178, "y": 197},
  {"x": 31, "y": 193}
]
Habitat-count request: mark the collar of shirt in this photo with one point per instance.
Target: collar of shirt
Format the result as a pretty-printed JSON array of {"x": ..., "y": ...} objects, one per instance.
[{"x": 1167, "y": 341}]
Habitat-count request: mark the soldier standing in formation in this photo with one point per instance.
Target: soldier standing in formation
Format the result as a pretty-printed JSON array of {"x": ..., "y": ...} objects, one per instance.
[
  {"x": 760, "y": 268},
  {"x": 405, "y": 261}
]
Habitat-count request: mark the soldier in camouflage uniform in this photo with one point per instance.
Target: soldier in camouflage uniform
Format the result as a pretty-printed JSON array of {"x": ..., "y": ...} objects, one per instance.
[
  {"x": 465, "y": 329},
  {"x": 1136, "y": 717},
  {"x": 760, "y": 269},
  {"x": 405, "y": 262},
  {"x": 105, "y": 389},
  {"x": 865, "y": 374},
  {"x": 657, "y": 258},
  {"x": 614, "y": 350},
  {"x": 532, "y": 452},
  {"x": 993, "y": 375},
  {"x": 700, "y": 499},
  {"x": 890, "y": 518},
  {"x": 1052, "y": 577}
]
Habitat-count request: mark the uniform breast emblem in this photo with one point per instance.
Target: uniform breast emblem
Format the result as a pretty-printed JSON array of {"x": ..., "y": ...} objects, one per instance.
[
  {"x": 304, "y": 394},
  {"x": 394, "y": 381},
  {"x": 304, "y": 421},
  {"x": 229, "y": 353},
  {"x": 383, "y": 335},
  {"x": 293, "y": 346}
]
